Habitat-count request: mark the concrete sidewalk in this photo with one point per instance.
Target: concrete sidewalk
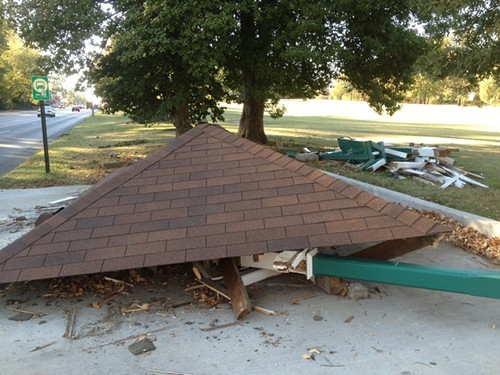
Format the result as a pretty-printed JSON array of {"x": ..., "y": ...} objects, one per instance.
[
  {"x": 397, "y": 330},
  {"x": 19, "y": 208}
]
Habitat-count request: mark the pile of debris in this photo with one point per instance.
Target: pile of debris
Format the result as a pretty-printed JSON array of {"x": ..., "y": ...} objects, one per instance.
[
  {"x": 428, "y": 164},
  {"x": 467, "y": 238}
]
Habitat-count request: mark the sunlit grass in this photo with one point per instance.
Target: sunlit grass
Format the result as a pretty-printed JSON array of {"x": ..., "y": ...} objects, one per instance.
[
  {"x": 78, "y": 157},
  {"x": 328, "y": 128},
  {"x": 478, "y": 144}
]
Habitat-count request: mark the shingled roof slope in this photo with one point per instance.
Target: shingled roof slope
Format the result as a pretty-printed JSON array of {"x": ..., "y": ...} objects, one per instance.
[{"x": 208, "y": 194}]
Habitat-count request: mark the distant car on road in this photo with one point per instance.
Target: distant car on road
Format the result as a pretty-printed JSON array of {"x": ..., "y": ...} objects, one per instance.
[
  {"x": 75, "y": 108},
  {"x": 49, "y": 111}
]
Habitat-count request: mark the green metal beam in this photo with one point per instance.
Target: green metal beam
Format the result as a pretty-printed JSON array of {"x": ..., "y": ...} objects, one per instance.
[{"x": 473, "y": 282}]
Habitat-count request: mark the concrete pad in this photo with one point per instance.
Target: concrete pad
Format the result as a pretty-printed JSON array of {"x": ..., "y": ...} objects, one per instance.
[
  {"x": 27, "y": 199},
  {"x": 29, "y": 204},
  {"x": 397, "y": 330}
]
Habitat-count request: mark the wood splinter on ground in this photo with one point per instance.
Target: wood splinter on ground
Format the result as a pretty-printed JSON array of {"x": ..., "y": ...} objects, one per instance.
[
  {"x": 26, "y": 312},
  {"x": 132, "y": 337},
  {"x": 40, "y": 347},
  {"x": 70, "y": 326},
  {"x": 267, "y": 311},
  {"x": 118, "y": 281},
  {"x": 221, "y": 326},
  {"x": 216, "y": 288},
  {"x": 297, "y": 300},
  {"x": 137, "y": 308},
  {"x": 349, "y": 319},
  {"x": 101, "y": 303}
]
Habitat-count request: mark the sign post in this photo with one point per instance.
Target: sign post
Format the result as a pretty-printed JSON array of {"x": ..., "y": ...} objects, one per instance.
[{"x": 41, "y": 92}]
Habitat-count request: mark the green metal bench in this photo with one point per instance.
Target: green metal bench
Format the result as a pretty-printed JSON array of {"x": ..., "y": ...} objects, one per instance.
[{"x": 473, "y": 282}]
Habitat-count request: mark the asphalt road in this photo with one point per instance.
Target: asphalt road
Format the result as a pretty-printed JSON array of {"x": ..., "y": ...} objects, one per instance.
[{"x": 21, "y": 133}]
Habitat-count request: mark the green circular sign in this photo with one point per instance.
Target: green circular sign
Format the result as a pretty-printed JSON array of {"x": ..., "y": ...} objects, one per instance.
[{"x": 40, "y": 88}]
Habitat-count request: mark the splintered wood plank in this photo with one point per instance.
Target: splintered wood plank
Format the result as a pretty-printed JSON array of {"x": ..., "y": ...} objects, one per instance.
[
  {"x": 257, "y": 275},
  {"x": 395, "y": 248},
  {"x": 283, "y": 260},
  {"x": 408, "y": 164},
  {"x": 399, "y": 154},
  {"x": 450, "y": 181},
  {"x": 240, "y": 301}
]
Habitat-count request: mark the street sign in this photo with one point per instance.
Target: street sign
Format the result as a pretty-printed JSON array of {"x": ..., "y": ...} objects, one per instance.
[
  {"x": 40, "y": 88},
  {"x": 41, "y": 92}
]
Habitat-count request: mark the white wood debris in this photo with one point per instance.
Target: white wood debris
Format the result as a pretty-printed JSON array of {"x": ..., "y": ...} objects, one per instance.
[{"x": 434, "y": 166}]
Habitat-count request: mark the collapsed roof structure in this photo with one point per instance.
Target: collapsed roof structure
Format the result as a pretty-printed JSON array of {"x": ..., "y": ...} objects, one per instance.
[{"x": 210, "y": 194}]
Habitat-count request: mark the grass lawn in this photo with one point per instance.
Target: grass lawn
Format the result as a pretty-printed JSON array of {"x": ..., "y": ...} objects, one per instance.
[{"x": 78, "y": 157}]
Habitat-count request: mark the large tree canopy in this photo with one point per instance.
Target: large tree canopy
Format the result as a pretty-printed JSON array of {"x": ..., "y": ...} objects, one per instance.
[
  {"x": 295, "y": 49},
  {"x": 465, "y": 48},
  {"x": 17, "y": 64},
  {"x": 178, "y": 59},
  {"x": 465, "y": 35},
  {"x": 3, "y": 40},
  {"x": 278, "y": 49},
  {"x": 163, "y": 63},
  {"x": 21, "y": 64}
]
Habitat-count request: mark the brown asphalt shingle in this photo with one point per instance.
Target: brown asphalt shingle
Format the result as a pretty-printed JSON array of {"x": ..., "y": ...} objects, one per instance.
[{"x": 208, "y": 194}]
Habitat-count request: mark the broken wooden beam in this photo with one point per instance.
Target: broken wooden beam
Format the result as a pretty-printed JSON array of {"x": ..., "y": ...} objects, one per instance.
[
  {"x": 240, "y": 301},
  {"x": 215, "y": 287},
  {"x": 395, "y": 248},
  {"x": 376, "y": 165}
]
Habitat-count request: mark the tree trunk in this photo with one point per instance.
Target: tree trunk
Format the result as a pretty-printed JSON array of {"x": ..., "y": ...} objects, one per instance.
[
  {"x": 252, "y": 121},
  {"x": 252, "y": 117},
  {"x": 181, "y": 119}
]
